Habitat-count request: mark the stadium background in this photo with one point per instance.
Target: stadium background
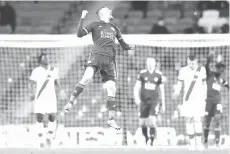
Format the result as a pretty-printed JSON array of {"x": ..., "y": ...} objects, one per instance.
[{"x": 18, "y": 61}]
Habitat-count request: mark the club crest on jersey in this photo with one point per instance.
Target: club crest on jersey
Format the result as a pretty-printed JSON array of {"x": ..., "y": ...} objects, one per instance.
[
  {"x": 156, "y": 79},
  {"x": 221, "y": 80},
  {"x": 112, "y": 29},
  {"x": 146, "y": 78}
]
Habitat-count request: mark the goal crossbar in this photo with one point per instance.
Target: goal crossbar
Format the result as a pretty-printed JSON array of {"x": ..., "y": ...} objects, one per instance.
[{"x": 52, "y": 41}]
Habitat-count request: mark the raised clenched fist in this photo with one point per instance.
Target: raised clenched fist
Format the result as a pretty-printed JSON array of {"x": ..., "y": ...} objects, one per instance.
[{"x": 84, "y": 13}]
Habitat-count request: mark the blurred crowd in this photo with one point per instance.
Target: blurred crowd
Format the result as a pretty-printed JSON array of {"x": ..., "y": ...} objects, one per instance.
[
  {"x": 7, "y": 15},
  {"x": 207, "y": 16}
]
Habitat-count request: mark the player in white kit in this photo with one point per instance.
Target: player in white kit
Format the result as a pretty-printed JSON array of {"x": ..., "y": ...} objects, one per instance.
[
  {"x": 193, "y": 78},
  {"x": 43, "y": 86}
]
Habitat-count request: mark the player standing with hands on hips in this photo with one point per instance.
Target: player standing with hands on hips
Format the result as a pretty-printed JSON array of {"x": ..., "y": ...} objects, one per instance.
[{"x": 102, "y": 58}]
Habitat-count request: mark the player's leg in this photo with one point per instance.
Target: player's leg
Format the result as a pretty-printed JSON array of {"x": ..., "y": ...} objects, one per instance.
[
  {"x": 217, "y": 122},
  {"x": 144, "y": 128},
  {"x": 152, "y": 122},
  {"x": 188, "y": 110},
  {"x": 143, "y": 121},
  {"x": 52, "y": 125},
  {"x": 87, "y": 77},
  {"x": 190, "y": 130},
  {"x": 197, "y": 121},
  {"x": 111, "y": 103},
  {"x": 40, "y": 128},
  {"x": 108, "y": 72},
  {"x": 207, "y": 121},
  {"x": 152, "y": 128}
]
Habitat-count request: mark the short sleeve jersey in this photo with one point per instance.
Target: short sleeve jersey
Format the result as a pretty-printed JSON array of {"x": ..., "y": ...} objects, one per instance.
[
  {"x": 150, "y": 85},
  {"x": 39, "y": 75},
  {"x": 187, "y": 76},
  {"x": 104, "y": 35}
]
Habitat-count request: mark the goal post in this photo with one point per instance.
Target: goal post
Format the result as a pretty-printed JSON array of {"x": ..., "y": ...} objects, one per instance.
[{"x": 18, "y": 57}]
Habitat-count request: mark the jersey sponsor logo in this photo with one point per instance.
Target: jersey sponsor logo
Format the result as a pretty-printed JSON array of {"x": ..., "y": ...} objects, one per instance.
[
  {"x": 150, "y": 86},
  {"x": 108, "y": 35},
  {"x": 216, "y": 86},
  {"x": 99, "y": 26},
  {"x": 146, "y": 78},
  {"x": 112, "y": 29}
]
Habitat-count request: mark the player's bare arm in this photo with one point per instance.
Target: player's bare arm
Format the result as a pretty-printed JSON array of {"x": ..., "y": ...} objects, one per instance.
[
  {"x": 208, "y": 62},
  {"x": 60, "y": 91},
  {"x": 178, "y": 86},
  {"x": 137, "y": 90},
  {"x": 32, "y": 89},
  {"x": 162, "y": 93},
  {"x": 80, "y": 30},
  {"x": 124, "y": 45},
  {"x": 177, "y": 89},
  {"x": 121, "y": 41}
]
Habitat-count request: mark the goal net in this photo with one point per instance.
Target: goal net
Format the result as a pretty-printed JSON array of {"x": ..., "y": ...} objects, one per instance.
[{"x": 86, "y": 122}]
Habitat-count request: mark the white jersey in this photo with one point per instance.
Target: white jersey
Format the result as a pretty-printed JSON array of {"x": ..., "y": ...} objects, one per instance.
[
  {"x": 187, "y": 76},
  {"x": 194, "y": 91},
  {"x": 47, "y": 98}
]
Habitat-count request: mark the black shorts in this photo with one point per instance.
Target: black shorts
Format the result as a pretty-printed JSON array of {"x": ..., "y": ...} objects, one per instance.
[
  {"x": 211, "y": 109},
  {"x": 105, "y": 64},
  {"x": 148, "y": 109}
]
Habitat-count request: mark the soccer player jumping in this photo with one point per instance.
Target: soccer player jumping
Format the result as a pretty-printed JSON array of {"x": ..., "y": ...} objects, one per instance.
[
  {"x": 146, "y": 94},
  {"x": 101, "y": 58},
  {"x": 213, "y": 109}
]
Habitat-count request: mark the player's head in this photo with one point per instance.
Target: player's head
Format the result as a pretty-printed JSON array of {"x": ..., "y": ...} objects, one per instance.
[
  {"x": 151, "y": 64},
  {"x": 220, "y": 68},
  {"x": 43, "y": 59},
  {"x": 192, "y": 61},
  {"x": 104, "y": 13}
]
